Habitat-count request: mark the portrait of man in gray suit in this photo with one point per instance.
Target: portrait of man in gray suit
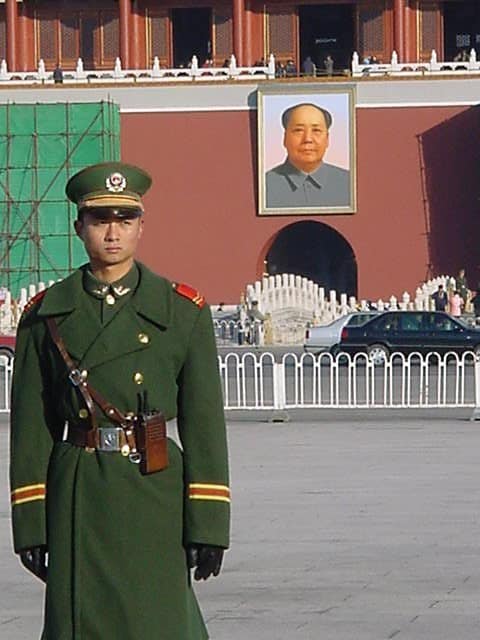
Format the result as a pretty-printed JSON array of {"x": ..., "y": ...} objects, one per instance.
[{"x": 304, "y": 179}]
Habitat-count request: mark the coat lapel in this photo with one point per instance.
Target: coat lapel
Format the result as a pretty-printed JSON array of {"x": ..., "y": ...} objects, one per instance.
[{"x": 77, "y": 324}]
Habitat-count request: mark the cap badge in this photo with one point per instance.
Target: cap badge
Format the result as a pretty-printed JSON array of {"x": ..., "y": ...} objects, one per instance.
[{"x": 116, "y": 182}]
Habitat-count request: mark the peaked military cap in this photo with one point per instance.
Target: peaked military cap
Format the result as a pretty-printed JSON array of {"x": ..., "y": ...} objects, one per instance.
[{"x": 109, "y": 189}]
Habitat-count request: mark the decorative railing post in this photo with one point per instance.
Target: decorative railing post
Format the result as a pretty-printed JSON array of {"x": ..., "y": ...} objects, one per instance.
[
  {"x": 232, "y": 67},
  {"x": 355, "y": 63},
  {"x": 394, "y": 61},
  {"x": 3, "y": 70},
  {"x": 194, "y": 66},
  {"x": 42, "y": 73},
  {"x": 156, "y": 68},
  {"x": 271, "y": 67},
  {"x": 79, "y": 71},
  {"x": 434, "y": 66},
  {"x": 117, "y": 69}
]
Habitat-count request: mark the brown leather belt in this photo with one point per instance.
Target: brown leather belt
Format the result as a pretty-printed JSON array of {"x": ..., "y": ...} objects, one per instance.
[{"x": 107, "y": 439}]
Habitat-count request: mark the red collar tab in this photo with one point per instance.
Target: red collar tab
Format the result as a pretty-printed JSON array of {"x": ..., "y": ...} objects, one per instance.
[
  {"x": 38, "y": 297},
  {"x": 192, "y": 294}
]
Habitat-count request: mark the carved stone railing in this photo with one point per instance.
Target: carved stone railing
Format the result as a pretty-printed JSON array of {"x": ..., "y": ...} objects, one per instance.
[
  {"x": 431, "y": 68},
  {"x": 155, "y": 74}
]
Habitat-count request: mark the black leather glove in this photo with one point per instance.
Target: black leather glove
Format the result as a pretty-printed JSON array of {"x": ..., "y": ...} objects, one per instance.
[
  {"x": 35, "y": 560},
  {"x": 206, "y": 559}
]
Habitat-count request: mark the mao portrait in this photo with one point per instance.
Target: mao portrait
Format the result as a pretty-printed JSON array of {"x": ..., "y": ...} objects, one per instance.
[{"x": 306, "y": 152}]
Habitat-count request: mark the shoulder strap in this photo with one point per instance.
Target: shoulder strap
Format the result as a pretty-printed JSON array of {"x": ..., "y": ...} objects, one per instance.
[
  {"x": 79, "y": 380},
  {"x": 190, "y": 293},
  {"x": 33, "y": 301}
]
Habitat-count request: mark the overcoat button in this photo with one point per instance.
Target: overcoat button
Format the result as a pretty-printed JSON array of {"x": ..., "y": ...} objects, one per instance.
[
  {"x": 83, "y": 413},
  {"x": 109, "y": 299},
  {"x": 143, "y": 338},
  {"x": 138, "y": 378}
]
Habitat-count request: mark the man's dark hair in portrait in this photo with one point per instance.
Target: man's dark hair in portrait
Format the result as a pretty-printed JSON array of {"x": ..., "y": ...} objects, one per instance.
[
  {"x": 107, "y": 509},
  {"x": 304, "y": 179}
]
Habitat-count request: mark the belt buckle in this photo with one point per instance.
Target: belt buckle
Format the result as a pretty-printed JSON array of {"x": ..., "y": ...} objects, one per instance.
[{"x": 109, "y": 439}]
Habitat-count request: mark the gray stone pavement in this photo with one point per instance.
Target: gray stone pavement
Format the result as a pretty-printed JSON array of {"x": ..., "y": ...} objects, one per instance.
[{"x": 346, "y": 526}]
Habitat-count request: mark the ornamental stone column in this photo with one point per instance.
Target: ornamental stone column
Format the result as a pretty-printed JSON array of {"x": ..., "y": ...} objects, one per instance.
[
  {"x": 25, "y": 55},
  {"x": 135, "y": 48},
  {"x": 399, "y": 19},
  {"x": 238, "y": 26},
  {"x": 125, "y": 8},
  {"x": 247, "y": 30},
  {"x": 12, "y": 17}
]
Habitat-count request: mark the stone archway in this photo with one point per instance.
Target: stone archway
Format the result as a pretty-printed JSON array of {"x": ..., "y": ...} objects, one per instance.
[{"x": 316, "y": 251}]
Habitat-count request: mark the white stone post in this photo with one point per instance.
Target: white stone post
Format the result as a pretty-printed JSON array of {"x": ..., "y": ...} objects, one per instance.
[
  {"x": 271, "y": 67},
  {"x": 355, "y": 63}
]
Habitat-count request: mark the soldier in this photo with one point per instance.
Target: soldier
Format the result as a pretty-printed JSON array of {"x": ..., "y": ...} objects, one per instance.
[{"x": 109, "y": 512}]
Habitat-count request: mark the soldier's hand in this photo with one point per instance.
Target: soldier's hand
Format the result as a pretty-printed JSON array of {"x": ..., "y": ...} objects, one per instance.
[
  {"x": 35, "y": 560},
  {"x": 206, "y": 559}
]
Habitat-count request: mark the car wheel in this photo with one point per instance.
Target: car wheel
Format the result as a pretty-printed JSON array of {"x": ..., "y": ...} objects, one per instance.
[
  {"x": 378, "y": 353},
  {"x": 335, "y": 350},
  {"x": 339, "y": 354}
]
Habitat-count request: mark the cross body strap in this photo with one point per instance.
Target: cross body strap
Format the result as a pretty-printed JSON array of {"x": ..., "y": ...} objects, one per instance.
[{"x": 79, "y": 380}]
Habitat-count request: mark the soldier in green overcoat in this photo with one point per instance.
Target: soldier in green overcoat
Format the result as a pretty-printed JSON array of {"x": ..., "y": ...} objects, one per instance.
[{"x": 114, "y": 545}]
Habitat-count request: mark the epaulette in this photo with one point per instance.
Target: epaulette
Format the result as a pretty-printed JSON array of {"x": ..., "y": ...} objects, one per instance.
[
  {"x": 189, "y": 292},
  {"x": 33, "y": 301}
]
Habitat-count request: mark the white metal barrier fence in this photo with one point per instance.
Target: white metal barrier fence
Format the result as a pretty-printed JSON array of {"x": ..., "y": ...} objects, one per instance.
[
  {"x": 260, "y": 381},
  {"x": 6, "y": 370}
]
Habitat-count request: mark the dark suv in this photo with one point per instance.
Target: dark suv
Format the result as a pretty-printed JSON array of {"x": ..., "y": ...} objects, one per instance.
[{"x": 407, "y": 331}]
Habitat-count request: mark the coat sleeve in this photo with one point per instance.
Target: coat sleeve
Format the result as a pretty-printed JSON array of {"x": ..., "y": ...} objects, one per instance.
[
  {"x": 30, "y": 441},
  {"x": 201, "y": 425}
]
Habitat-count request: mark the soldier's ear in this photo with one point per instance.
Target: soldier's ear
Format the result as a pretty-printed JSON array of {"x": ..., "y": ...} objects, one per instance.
[{"x": 78, "y": 226}]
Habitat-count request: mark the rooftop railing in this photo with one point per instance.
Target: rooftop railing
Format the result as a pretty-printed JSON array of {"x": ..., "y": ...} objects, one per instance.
[
  {"x": 433, "y": 67},
  {"x": 193, "y": 72},
  {"x": 231, "y": 71}
]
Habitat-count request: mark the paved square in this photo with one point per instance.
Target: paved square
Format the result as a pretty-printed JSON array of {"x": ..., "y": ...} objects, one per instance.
[{"x": 346, "y": 526}]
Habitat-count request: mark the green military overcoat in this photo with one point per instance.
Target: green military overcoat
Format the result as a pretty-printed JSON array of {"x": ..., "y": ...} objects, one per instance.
[{"x": 116, "y": 539}]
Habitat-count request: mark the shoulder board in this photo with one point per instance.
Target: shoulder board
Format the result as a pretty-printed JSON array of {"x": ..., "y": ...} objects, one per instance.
[
  {"x": 33, "y": 301},
  {"x": 190, "y": 293}
]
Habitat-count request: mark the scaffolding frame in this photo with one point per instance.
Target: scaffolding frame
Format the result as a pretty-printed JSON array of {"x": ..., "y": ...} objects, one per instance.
[{"x": 26, "y": 238}]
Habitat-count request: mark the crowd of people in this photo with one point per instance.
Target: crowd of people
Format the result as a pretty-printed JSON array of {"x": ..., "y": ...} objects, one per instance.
[
  {"x": 458, "y": 298},
  {"x": 308, "y": 68}
]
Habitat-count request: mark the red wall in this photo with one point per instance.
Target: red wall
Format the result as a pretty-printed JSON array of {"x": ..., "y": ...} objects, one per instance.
[{"x": 201, "y": 211}]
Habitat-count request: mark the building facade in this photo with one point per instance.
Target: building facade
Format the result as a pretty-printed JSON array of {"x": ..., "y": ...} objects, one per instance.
[
  {"x": 99, "y": 31},
  {"x": 415, "y": 159}
]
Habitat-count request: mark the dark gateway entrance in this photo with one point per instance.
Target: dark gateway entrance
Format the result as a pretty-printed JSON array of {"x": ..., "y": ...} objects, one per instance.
[
  {"x": 315, "y": 251},
  {"x": 327, "y": 30},
  {"x": 192, "y": 30},
  {"x": 461, "y": 28}
]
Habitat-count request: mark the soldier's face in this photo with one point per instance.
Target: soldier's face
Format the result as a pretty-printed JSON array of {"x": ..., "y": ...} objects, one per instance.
[
  {"x": 109, "y": 242},
  {"x": 306, "y": 138}
]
